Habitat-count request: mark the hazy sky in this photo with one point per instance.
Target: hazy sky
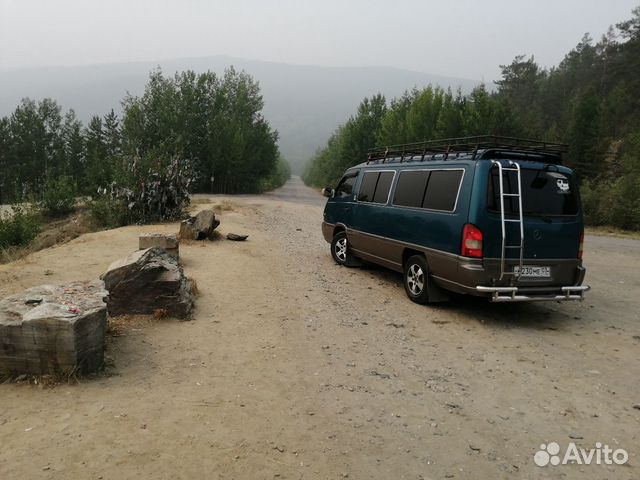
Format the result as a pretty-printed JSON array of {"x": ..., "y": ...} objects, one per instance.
[{"x": 464, "y": 38}]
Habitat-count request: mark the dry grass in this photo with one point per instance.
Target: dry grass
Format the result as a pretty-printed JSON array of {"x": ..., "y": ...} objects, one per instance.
[
  {"x": 612, "y": 232},
  {"x": 123, "y": 324},
  {"x": 201, "y": 201},
  {"x": 216, "y": 236},
  {"x": 66, "y": 377},
  {"x": 224, "y": 206},
  {"x": 159, "y": 313},
  {"x": 53, "y": 233},
  {"x": 194, "y": 286}
]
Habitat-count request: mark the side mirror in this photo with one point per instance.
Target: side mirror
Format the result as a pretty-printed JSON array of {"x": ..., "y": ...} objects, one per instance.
[{"x": 328, "y": 192}]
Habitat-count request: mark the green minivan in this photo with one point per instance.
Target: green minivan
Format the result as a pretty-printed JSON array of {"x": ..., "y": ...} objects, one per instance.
[{"x": 497, "y": 217}]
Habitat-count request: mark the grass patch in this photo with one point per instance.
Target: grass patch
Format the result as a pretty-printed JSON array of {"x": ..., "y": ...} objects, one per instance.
[
  {"x": 67, "y": 377},
  {"x": 612, "y": 232},
  {"x": 224, "y": 206},
  {"x": 53, "y": 232}
]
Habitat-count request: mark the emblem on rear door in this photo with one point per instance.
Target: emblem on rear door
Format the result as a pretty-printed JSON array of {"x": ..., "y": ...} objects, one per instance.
[
  {"x": 563, "y": 185},
  {"x": 537, "y": 234}
]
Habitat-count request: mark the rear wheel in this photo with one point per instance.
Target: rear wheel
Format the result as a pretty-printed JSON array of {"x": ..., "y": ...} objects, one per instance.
[
  {"x": 416, "y": 277},
  {"x": 340, "y": 248}
]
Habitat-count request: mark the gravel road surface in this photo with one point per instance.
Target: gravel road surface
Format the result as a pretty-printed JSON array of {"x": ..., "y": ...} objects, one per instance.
[{"x": 293, "y": 367}]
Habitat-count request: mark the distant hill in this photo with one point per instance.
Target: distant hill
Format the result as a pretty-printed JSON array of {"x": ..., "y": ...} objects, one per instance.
[{"x": 305, "y": 103}]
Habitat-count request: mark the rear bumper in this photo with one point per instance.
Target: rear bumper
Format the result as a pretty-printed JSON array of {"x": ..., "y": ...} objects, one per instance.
[{"x": 518, "y": 294}]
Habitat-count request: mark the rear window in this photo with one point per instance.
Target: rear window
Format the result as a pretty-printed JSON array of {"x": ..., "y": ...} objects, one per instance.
[
  {"x": 375, "y": 187},
  {"x": 432, "y": 189},
  {"x": 543, "y": 193}
]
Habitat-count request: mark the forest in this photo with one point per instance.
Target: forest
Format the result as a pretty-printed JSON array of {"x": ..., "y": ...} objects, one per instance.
[
  {"x": 591, "y": 101},
  {"x": 187, "y": 133},
  {"x": 214, "y": 122}
]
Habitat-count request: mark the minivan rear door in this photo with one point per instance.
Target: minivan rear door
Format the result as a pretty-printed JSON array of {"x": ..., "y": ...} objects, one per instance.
[{"x": 552, "y": 220}]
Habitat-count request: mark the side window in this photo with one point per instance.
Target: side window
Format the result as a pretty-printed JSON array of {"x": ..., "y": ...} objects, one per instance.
[
  {"x": 375, "y": 187},
  {"x": 384, "y": 185},
  {"x": 368, "y": 186},
  {"x": 410, "y": 188},
  {"x": 442, "y": 191},
  {"x": 345, "y": 187}
]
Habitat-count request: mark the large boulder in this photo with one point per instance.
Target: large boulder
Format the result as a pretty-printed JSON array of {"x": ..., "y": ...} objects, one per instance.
[
  {"x": 199, "y": 227},
  {"x": 169, "y": 243},
  {"x": 148, "y": 281},
  {"x": 53, "y": 329}
]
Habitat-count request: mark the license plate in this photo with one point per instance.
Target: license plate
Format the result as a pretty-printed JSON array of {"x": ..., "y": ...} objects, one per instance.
[{"x": 533, "y": 271}]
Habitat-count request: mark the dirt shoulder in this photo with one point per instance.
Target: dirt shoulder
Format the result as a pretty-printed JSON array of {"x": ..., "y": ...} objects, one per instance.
[{"x": 293, "y": 367}]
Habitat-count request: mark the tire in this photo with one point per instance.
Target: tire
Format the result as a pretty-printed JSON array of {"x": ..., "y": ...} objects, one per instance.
[
  {"x": 416, "y": 278},
  {"x": 340, "y": 249}
]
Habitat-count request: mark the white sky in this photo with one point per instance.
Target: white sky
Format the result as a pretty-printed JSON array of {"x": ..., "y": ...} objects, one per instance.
[{"x": 464, "y": 38}]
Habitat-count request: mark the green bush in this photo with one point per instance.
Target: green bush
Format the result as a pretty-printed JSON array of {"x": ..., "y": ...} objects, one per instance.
[
  {"x": 18, "y": 226},
  {"x": 110, "y": 212},
  {"x": 612, "y": 202},
  {"x": 59, "y": 197},
  {"x": 279, "y": 177},
  {"x": 151, "y": 190},
  {"x": 612, "y": 199}
]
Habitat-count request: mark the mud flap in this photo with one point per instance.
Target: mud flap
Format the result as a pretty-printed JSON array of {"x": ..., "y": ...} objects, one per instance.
[
  {"x": 353, "y": 262},
  {"x": 436, "y": 293}
]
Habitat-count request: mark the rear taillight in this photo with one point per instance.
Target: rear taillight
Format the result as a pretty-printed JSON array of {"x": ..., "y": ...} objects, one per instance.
[
  {"x": 471, "y": 241},
  {"x": 580, "y": 245}
]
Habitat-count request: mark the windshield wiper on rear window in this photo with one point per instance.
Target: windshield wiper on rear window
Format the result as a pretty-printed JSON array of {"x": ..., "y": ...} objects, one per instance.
[{"x": 545, "y": 218}]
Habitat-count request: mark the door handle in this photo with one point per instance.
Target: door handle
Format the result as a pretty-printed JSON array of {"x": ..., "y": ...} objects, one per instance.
[{"x": 347, "y": 209}]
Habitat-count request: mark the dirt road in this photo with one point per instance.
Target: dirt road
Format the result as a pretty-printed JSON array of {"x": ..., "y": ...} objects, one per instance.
[{"x": 293, "y": 367}]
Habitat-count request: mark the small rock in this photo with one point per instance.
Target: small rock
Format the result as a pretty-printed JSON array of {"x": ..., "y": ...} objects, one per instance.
[
  {"x": 636, "y": 406},
  {"x": 575, "y": 436},
  {"x": 199, "y": 227},
  {"x": 237, "y": 238},
  {"x": 395, "y": 325}
]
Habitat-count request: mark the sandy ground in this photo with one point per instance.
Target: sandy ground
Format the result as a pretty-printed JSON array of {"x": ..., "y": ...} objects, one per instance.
[{"x": 293, "y": 367}]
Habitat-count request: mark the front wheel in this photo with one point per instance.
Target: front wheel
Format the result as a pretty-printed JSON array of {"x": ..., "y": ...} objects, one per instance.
[
  {"x": 340, "y": 248},
  {"x": 416, "y": 276}
]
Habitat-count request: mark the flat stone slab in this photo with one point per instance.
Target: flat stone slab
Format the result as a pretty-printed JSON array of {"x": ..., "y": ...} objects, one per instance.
[
  {"x": 145, "y": 282},
  {"x": 53, "y": 329},
  {"x": 169, "y": 243}
]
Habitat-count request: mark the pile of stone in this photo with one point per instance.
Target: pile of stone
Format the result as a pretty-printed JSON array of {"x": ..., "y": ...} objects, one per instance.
[
  {"x": 200, "y": 227},
  {"x": 53, "y": 329},
  {"x": 146, "y": 282}
]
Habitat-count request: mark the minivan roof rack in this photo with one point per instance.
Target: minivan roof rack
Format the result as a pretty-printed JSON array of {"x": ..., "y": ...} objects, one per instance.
[{"x": 477, "y": 147}]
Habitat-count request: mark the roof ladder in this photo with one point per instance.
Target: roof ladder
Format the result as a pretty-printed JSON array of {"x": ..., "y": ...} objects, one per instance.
[{"x": 512, "y": 167}]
